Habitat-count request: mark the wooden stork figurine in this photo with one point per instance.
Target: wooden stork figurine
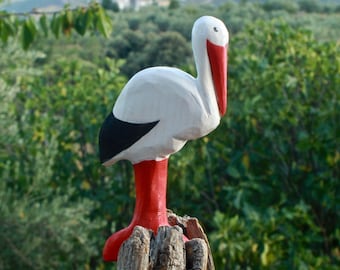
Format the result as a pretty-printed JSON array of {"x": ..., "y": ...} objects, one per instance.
[{"x": 157, "y": 112}]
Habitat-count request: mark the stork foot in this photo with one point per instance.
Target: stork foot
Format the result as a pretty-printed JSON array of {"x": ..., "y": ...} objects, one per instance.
[
  {"x": 113, "y": 243},
  {"x": 150, "y": 208}
]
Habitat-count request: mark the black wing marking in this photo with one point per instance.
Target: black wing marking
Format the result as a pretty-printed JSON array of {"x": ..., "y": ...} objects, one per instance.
[{"x": 116, "y": 135}]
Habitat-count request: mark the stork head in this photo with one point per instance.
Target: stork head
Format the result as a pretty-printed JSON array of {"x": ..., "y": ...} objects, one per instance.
[{"x": 210, "y": 39}]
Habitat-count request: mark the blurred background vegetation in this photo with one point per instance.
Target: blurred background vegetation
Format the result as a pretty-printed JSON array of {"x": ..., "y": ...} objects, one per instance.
[{"x": 265, "y": 184}]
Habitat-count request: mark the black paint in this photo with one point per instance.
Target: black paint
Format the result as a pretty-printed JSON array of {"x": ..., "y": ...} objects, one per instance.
[{"x": 116, "y": 135}]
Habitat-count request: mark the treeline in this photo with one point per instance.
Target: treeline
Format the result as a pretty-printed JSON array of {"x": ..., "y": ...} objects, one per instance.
[
  {"x": 269, "y": 5},
  {"x": 170, "y": 30},
  {"x": 264, "y": 184}
]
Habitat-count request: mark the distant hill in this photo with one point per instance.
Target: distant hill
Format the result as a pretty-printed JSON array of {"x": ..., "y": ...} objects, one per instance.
[{"x": 28, "y": 5}]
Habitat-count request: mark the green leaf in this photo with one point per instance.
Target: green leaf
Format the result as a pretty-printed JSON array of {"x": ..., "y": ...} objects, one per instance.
[
  {"x": 69, "y": 17},
  {"x": 80, "y": 23},
  {"x": 43, "y": 24},
  {"x": 232, "y": 171},
  {"x": 7, "y": 28},
  {"x": 67, "y": 22},
  {"x": 3, "y": 32},
  {"x": 55, "y": 25},
  {"x": 103, "y": 23},
  {"x": 29, "y": 31},
  {"x": 88, "y": 18}
]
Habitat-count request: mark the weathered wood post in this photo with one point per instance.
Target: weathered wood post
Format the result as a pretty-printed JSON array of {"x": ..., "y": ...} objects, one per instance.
[{"x": 167, "y": 250}]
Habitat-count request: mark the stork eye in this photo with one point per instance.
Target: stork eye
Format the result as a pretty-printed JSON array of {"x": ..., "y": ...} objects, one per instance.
[{"x": 215, "y": 29}]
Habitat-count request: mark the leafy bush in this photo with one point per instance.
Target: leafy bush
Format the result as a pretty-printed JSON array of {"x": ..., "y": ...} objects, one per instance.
[
  {"x": 282, "y": 164},
  {"x": 271, "y": 167},
  {"x": 49, "y": 166},
  {"x": 309, "y": 5},
  {"x": 41, "y": 227},
  {"x": 289, "y": 6},
  {"x": 168, "y": 49},
  {"x": 46, "y": 231}
]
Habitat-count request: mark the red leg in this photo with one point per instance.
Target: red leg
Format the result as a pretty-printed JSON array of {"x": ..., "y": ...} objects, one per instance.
[{"x": 150, "y": 209}]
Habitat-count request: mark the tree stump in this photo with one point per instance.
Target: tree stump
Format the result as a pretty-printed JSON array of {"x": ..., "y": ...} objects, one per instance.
[{"x": 167, "y": 250}]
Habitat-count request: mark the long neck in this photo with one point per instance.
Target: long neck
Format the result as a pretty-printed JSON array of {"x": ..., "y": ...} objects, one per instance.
[
  {"x": 202, "y": 62},
  {"x": 205, "y": 82},
  {"x": 151, "y": 183}
]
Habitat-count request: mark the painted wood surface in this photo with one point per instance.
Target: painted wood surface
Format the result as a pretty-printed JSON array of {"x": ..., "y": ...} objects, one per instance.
[
  {"x": 157, "y": 112},
  {"x": 161, "y": 108}
]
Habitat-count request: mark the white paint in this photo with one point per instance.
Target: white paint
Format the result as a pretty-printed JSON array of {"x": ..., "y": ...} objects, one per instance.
[{"x": 185, "y": 106}]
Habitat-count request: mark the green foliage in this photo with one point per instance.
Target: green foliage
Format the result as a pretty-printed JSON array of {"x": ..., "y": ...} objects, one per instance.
[
  {"x": 82, "y": 20},
  {"x": 309, "y": 5},
  {"x": 281, "y": 173},
  {"x": 237, "y": 16},
  {"x": 132, "y": 42},
  {"x": 168, "y": 49},
  {"x": 39, "y": 226},
  {"x": 289, "y": 6},
  {"x": 110, "y": 5},
  {"x": 45, "y": 231},
  {"x": 174, "y": 4},
  {"x": 271, "y": 169},
  {"x": 50, "y": 202}
]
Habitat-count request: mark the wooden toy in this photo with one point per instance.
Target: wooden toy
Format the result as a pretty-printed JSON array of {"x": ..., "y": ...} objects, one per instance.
[{"x": 157, "y": 112}]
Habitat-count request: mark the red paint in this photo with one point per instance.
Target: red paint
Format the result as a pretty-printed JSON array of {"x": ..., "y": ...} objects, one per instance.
[
  {"x": 218, "y": 65},
  {"x": 150, "y": 210}
]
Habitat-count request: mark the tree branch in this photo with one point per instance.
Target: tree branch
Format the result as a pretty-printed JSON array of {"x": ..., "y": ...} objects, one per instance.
[{"x": 28, "y": 25}]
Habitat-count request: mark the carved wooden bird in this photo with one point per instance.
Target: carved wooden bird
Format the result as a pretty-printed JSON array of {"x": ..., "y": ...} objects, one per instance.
[{"x": 157, "y": 112}]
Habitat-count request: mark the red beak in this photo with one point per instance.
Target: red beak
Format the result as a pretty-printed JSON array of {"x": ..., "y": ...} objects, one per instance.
[{"x": 218, "y": 65}]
